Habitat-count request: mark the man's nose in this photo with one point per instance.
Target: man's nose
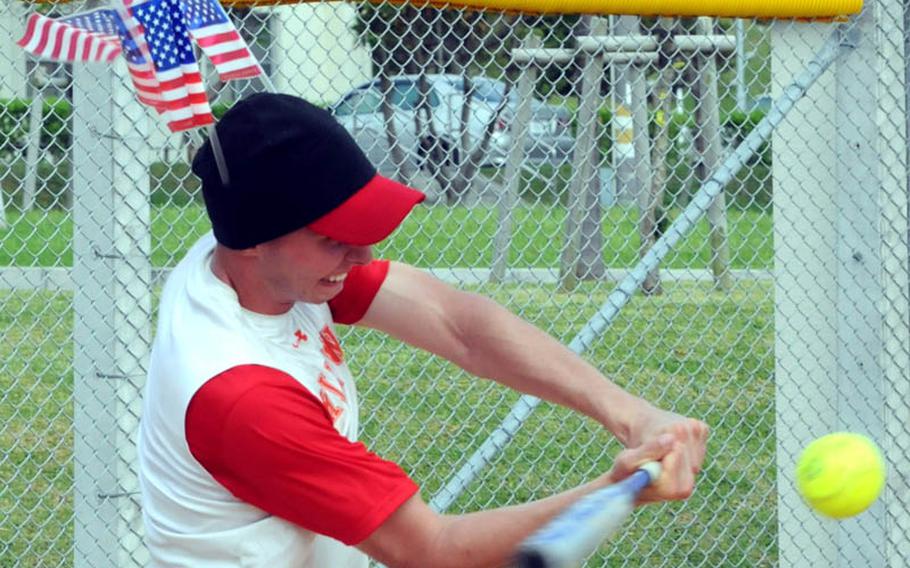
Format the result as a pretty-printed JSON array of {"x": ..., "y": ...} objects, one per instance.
[{"x": 360, "y": 254}]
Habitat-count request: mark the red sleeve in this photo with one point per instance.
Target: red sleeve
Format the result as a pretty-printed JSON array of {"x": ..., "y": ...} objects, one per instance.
[
  {"x": 268, "y": 441},
  {"x": 360, "y": 287}
]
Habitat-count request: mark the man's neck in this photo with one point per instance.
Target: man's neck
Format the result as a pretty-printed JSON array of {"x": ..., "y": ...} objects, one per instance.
[{"x": 251, "y": 292}]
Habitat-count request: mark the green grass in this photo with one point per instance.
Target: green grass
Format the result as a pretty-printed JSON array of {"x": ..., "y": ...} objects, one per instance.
[
  {"x": 694, "y": 350},
  {"x": 432, "y": 236},
  {"x": 36, "y": 415}
]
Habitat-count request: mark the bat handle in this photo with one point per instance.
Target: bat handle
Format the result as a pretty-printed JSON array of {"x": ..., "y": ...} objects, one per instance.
[
  {"x": 575, "y": 533},
  {"x": 653, "y": 470}
]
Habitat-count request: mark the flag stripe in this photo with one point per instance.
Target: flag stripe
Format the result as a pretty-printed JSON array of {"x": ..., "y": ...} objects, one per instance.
[
  {"x": 84, "y": 46},
  {"x": 57, "y": 44},
  {"x": 92, "y": 48},
  {"x": 33, "y": 36},
  {"x": 30, "y": 26},
  {"x": 49, "y": 39},
  {"x": 245, "y": 73},
  {"x": 213, "y": 31},
  {"x": 225, "y": 58},
  {"x": 215, "y": 37},
  {"x": 110, "y": 53},
  {"x": 232, "y": 67},
  {"x": 43, "y": 38},
  {"x": 73, "y": 47}
]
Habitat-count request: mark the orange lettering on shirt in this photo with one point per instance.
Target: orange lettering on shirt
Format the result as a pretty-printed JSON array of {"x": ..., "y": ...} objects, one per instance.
[
  {"x": 325, "y": 384},
  {"x": 330, "y": 346},
  {"x": 334, "y": 411}
]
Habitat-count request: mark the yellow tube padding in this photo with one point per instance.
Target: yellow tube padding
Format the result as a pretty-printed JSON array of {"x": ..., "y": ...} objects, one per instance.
[
  {"x": 797, "y": 9},
  {"x": 764, "y": 9}
]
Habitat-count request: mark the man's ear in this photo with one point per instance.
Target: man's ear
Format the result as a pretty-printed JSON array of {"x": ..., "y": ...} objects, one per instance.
[
  {"x": 248, "y": 253},
  {"x": 252, "y": 252}
]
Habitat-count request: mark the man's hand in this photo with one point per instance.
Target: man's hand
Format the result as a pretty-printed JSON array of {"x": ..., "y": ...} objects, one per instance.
[{"x": 687, "y": 438}]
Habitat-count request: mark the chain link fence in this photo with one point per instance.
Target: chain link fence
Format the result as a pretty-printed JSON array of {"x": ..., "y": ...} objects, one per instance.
[{"x": 556, "y": 152}]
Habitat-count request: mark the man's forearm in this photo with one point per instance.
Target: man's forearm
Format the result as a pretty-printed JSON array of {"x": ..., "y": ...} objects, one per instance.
[
  {"x": 495, "y": 535},
  {"x": 500, "y": 346},
  {"x": 483, "y": 539}
]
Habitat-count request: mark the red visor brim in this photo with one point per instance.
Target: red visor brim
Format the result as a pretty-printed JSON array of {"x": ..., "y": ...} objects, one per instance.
[{"x": 371, "y": 214}]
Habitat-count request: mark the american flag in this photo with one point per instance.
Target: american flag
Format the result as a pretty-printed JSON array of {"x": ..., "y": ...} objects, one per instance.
[
  {"x": 60, "y": 40},
  {"x": 98, "y": 35},
  {"x": 219, "y": 39},
  {"x": 182, "y": 89},
  {"x": 135, "y": 50},
  {"x": 154, "y": 36}
]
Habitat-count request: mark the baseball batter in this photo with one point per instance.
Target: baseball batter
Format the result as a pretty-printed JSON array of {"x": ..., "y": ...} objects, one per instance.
[{"x": 249, "y": 453}]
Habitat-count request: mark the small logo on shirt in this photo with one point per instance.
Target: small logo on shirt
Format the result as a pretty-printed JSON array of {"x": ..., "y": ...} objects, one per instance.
[
  {"x": 330, "y": 346},
  {"x": 300, "y": 337}
]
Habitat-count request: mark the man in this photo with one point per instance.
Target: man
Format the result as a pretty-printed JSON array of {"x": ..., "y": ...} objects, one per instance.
[{"x": 248, "y": 447}]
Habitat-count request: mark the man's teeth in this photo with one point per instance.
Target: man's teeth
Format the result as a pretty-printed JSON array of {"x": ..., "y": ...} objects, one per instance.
[{"x": 338, "y": 278}]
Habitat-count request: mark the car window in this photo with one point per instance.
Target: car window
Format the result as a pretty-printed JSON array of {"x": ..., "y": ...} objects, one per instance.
[
  {"x": 406, "y": 95},
  {"x": 489, "y": 90},
  {"x": 359, "y": 102}
]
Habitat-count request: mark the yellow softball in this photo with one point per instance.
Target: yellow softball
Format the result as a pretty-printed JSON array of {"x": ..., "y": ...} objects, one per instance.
[{"x": 841, "y": 474}]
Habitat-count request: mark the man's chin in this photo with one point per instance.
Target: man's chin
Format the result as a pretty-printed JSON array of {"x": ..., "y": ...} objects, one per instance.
[{"x": 323, "y": 294}]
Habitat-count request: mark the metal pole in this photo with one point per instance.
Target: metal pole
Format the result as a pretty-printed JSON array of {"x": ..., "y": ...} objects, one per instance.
[
  {"x": 112, "y": 306},
  {"x": 36, "y": 112},
  {"x": 740, "y": 65},
  {"x": 708, "y": 136}
]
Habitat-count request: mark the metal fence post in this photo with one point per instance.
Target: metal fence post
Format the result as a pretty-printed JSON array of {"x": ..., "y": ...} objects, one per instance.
[
  {"x": 621, "y": 79},
  {"x": 35, "y": 122},
  {"x": 841, "y": 273},
  {"x": 112, "y": 305}
]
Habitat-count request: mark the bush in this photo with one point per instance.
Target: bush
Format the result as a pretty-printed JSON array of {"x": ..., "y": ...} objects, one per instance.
[
  {"x": 740, "y": 124},
  {"x": 56, "y": 130},
  {"x": 51, "y": 191},
  {"x": 173, "y": 184},
  {"x": 751, "y": 188}
]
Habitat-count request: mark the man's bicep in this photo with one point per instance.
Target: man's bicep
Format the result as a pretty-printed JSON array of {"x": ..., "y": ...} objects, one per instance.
[{"x": 420, "y": 310}]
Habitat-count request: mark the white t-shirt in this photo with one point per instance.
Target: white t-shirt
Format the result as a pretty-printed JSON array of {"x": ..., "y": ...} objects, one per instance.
[{"x": 248, "y": 452}]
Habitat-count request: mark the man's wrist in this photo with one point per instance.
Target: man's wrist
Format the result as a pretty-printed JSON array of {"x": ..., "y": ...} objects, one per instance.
[{"x": 624, "y": 415}]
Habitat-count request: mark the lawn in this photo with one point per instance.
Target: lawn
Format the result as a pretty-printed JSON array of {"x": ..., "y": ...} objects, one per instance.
[
  {"x": 695, "y": 350},
  {"x": 692, "y": 349},
  {"x": 433, "y": 236}
]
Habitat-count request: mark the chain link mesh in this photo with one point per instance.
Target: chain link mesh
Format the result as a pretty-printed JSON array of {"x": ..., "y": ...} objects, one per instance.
[{"x": 551, "y": 167}]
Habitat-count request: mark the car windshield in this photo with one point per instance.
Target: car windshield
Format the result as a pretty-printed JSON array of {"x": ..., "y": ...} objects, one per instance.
[
  {"x": 368, "y": 100},
  {"x": 406, "y": 95},
  {"x": 359, "y": 102}
]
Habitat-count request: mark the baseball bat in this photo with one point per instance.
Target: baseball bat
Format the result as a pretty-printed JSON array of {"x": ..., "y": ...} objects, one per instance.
[{"x": 569, "y": 538}]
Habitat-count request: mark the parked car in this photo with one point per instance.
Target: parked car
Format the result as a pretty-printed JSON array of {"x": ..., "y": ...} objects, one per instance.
[{"x": 360, "y": 112}]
